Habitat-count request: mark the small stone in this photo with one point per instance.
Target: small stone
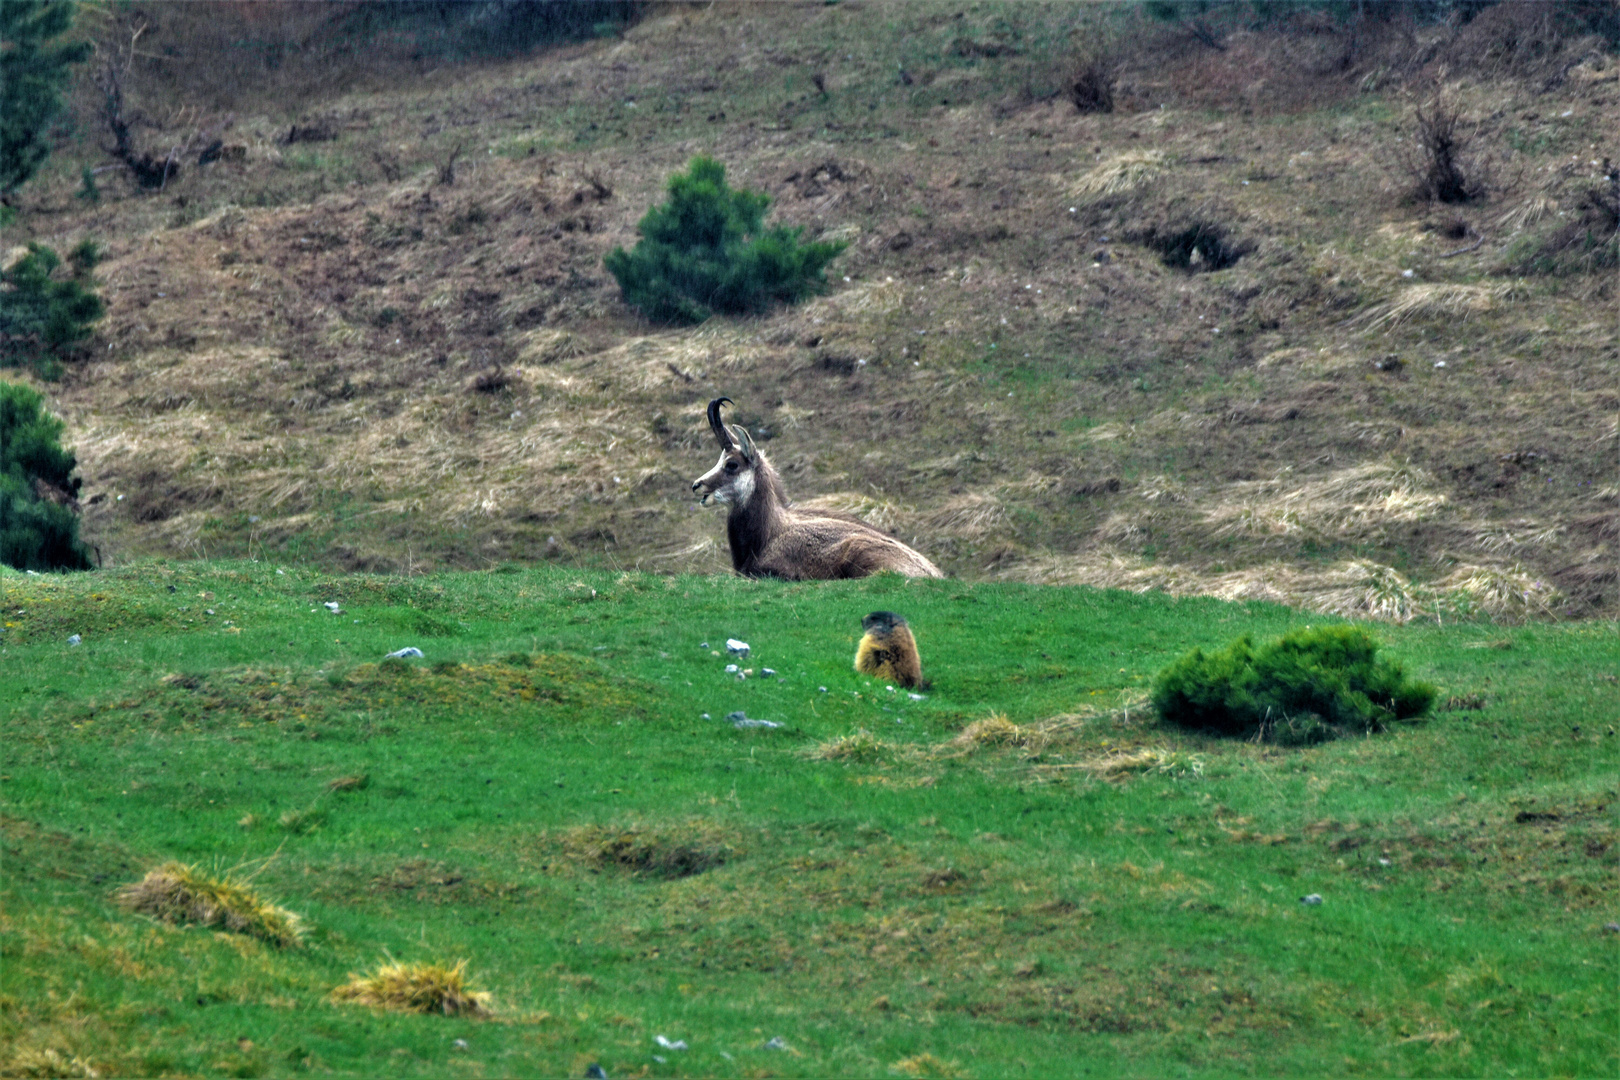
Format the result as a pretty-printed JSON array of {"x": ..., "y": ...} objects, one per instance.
[
  {"x": 74, "y": 640},
  {"x": 776, "y": 1043},
  {"x": 410, "y": 651},
  {"x": 732, "y": 669},
  {"x": 461, "y": 1044},
  {"x": 737, "y": 648},
  {"x": 1312, "y": 900},
  {"x": 333, "y": 606},
  {"x": 767, "y": 673}
]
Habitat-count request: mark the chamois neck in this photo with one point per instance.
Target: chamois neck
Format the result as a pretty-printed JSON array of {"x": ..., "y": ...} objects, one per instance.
[{"x": 751, "y": 525}]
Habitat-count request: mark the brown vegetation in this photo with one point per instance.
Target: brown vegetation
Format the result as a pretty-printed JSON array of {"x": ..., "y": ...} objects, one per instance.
[{"x": 320, "y": 351}]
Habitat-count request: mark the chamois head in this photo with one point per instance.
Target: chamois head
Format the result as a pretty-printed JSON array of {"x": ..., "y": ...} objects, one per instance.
[{"x": 731, "y": 482}]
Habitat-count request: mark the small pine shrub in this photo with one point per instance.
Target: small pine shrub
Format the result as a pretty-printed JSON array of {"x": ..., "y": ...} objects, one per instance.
[
  {"x": 39, "y": 528},
  {"x": 42, "y": 316},
  {"x": 707, "y": 249},
  {"x": 1308, "y": 686}
]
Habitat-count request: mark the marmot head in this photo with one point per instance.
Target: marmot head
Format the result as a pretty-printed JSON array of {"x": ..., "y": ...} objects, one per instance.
[{"x": 882, "y": 622}]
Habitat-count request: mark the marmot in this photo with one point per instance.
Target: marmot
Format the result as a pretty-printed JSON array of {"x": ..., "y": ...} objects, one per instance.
[{"x": 887, "y": 650}]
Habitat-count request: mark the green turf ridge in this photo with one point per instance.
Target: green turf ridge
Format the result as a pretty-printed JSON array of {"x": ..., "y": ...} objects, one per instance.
[{"x": 539, "y": 789}]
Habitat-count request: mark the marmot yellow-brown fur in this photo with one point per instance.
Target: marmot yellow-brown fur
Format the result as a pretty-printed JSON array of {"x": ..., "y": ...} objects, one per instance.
[{"x": 887, "y": 650}]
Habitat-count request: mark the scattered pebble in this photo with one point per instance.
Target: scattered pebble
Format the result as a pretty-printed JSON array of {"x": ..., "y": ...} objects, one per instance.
[
  {"x": 767, "y": 673},
  {"x": 821, "y": 689},
  {"x": 461, "y": 1044},
  {"x": 740, "y": 719},
  {"x": 407, "y": 651},
  {"x": 333, "y": 606},
  {"x": 594, "y": 1071},
  {"x": 736, "y": 648},
  {"x": 1611, "y": 928},
  {"x": 732, "y": 669},
  {"x": 678, "y": 1044},
  {"x": 705, "y": 716},
  {"x": 703, "y": 644},
  {"x": 1407, "y": 273},
  {"x": 917, "y": 697},
  {"x": 1385, "y": 862},
  {"x": 1439, "y": 363},
  {"x": 776, "y": 1043},
  {"x": 661, "y": 1059},
  {"x": 74, "y": 640},
  {"x": 1312, "y": 900}
]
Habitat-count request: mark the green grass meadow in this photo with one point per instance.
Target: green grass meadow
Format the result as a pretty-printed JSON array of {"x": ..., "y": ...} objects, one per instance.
[{"x": 543, "y": 796}]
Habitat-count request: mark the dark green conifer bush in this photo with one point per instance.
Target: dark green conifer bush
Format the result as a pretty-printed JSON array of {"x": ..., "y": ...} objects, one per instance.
[
  {"x": 707, "y": 249},
  {"x": 1308, "y": 686},
  {"x": 34, "y": 71},
  {"x": 40, "y": 315},
  {"x": 39, "y": 529}
]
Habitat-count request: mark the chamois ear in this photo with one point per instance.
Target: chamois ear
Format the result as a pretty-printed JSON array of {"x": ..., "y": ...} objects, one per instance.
[{"x": 745, "y": 445}]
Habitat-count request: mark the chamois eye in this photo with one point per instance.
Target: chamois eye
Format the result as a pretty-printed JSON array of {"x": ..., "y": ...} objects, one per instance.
[{"x": 731, "y": 466}]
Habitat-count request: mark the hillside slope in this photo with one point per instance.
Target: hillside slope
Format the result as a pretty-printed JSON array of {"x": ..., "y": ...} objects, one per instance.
[{"x": 1207, "y": 342}]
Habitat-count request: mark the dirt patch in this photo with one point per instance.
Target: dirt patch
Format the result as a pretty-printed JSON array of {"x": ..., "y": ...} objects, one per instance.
[{"x": 662, "y": 853}]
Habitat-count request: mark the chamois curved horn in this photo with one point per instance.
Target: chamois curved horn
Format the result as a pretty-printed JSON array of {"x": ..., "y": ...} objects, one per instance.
[{"x": 720, "y": 430}]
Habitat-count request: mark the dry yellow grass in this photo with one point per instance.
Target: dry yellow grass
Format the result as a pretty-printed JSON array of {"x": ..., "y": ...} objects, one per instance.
[
  {"x": 47, "y": 1062},
  {"x": 180, "y": 893},
  {"x": 996, "y": 730},
  {"x": 1122, "y": 763},
  {"x": 419, "y": 988},
  {"x": 1356, "y": 501},
  {"x": 1120, "y": 175},
  {"x": 1508, "y": 593},
  {"x": 1432, "y": 301},
  {"x": 972, "y": 516},
  {"x": 882, "y": 513},
  {"x": 859, "y": 745}
]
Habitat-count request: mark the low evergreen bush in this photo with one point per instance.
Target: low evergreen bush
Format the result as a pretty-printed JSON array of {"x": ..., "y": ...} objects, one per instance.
[
  {"x": 42, "y": 316},
  {"x": 707, "y": 249},
  {"x": 39, "y": 529},
  {"x": 1308, "y": 686}
]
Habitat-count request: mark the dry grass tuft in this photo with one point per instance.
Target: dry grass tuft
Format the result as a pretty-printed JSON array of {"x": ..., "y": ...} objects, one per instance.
[
  {"x": 1354, "y": 501},
  {"x": 996, "y": 730},
  {"x": 178, "y": 893},
  {"x": 419, "y": 988},
  {"x": 1368, "y": 591},
  {"x": 972, "y": 516},
  {"x": 1120, "y": 175},
  {"x": 1123, "y": 763},
  {"x": 47, "y": 1062},
  {"x": 925, "y": 1065},
  {"x": 1530, "y": 212},
  {"x": 1438, "y": 301},
  {"x": 1510, "y": 593},
  {"x": 881, "y": 513},
  {"x": 860, "y": 745},
  {"x": 349, "y": 783}
]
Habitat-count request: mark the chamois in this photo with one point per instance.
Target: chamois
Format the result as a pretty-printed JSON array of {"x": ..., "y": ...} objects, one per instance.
[{"x": 769, "y": 538}]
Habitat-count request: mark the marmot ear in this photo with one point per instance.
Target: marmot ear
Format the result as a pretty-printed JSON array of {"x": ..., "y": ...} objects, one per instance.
[{"x": 745, "y": 445}]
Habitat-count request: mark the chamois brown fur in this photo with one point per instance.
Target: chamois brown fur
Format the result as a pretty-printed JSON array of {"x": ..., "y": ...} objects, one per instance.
[
  {"x": 887, "y": 650},
  {"x": 770, "y": 538}
]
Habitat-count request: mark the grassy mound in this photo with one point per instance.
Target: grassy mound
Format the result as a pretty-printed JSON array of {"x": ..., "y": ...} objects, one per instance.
[
  {"x": 420, "y": 988},
  {"x": 1308, "y": 686},
  {"x": 178, "y": 893}
]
